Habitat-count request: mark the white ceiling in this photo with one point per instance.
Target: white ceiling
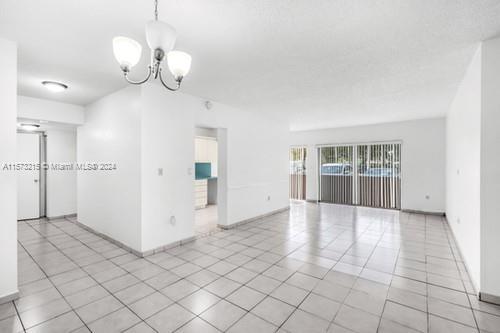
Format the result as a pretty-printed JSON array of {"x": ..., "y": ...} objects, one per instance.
[{"x": 321, "y": 63}]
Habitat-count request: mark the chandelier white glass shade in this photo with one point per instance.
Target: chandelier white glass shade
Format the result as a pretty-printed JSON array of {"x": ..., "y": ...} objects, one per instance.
[
  {"x": 179, "y": 63},
  {"x": 127, "y": 52},
  {"x": 161, "y": 38},
  {"x": 160, "y": 35}
]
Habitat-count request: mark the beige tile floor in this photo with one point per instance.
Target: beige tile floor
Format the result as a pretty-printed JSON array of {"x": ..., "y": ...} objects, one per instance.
[{"x": 323, "y": 268}]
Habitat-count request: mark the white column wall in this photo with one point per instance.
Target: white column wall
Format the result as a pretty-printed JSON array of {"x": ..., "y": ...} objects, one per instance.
[
  {"x": 167, "y": 142},
  {"x": 463, "y": 175},
  {"x": 490, "y": 169},
  {"x": 8, "y": 185},
  {"x": 110, "y": 201},
  {"x": 473, "y": 176}
]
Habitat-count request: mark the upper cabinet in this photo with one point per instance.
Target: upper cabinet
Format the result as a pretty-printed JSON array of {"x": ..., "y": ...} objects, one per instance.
[
  {"x": 212, "y": 155},
  {"x": 201, "y": 150},
  {"x": 206, "y": 151}
]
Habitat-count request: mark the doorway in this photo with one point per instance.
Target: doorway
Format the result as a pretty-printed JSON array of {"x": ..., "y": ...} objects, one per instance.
[
  {"x": 206, "y": 180},
  {"x": 30, "y": 175},
  {"x": 361, "y": 174}
]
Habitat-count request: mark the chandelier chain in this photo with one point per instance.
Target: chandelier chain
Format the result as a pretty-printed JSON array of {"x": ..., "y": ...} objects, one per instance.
[{"x": 156, "y": 10}]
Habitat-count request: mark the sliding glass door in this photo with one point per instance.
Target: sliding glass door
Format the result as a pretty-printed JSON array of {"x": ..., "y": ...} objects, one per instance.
[
  {"x": 336, "y": 174},
  {"x": 361, "y": 174},
  {"x": 379, "y": 182},
  {"x": 298, "y": 173}
]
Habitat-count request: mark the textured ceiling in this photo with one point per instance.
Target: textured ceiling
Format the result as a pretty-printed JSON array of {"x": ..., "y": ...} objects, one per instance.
[{"x": 321, "y": 63}]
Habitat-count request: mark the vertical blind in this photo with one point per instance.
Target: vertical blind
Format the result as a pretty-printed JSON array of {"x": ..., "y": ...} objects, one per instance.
[
  {"x": 365, "y": 174},
  {"x": 379, "y": 183},
  {"x": 298, "y": 173},
  {"x": 337, "y": 174}
]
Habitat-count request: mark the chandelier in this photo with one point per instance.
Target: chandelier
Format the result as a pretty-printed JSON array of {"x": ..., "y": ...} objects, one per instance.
[{"x": 161, "y": 40}]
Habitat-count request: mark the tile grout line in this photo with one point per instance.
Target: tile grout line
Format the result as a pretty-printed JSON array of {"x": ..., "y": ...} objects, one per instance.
[
  {"x": 271, "y": 238},
  {"x": 72, "y": 308},
  {"x": 55, "y": 287},
  {"x": 463, "y": 284},
  {"x": 18, "y": 316}
]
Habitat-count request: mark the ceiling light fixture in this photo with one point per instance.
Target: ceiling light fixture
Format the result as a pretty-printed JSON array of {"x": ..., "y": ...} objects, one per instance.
[
  {"x": 29, "y": 127},
  {"x": 161, "y": 40},
  {"x": 54, "y": 86}
]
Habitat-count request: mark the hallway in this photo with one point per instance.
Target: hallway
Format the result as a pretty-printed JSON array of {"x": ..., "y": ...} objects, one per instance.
[{"x": 316, "y": 268}]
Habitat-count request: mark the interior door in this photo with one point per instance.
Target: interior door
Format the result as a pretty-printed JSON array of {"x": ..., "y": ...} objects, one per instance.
[{"x": 28, "y": 176}]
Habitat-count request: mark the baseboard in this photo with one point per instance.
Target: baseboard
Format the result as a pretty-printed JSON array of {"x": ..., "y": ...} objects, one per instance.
[
  {"x": 413, "y": 211},
  {"x": 9, "y": 297},
  {"x": 134, "y": 251},
  {"x": 168, "y": 246},
  {"x": 493, "y": 299},
  {"x": 237, "y": 224},
  {"x": 176, "y": 243},
  {"x": 60, "y": 217},
  {"x": 462, "y": 256},
  {"x": 108, "y": 238}
]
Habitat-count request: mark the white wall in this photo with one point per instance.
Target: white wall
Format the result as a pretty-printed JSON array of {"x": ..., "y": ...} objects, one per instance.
[
  {"x": 61, "y": 148},
  {"x": 168, "y": 143},
  {"x": 422, "y": 157},
  {"x": 463, "y": 145},
  {"x": 61, "y": 184},
  {"x": 36, "y": 108},
  {"x": 256, "y": 167},
  {"x": 147, "y": 128},
  {"x": 8, "y": 186},
  {"x": 256, "y": 150},
  {"x": 490, "y": 170},
  {"x": 473, "y": 175},
  {"x": 109, "y": 201},
  {"x": 206, "y": 132}
]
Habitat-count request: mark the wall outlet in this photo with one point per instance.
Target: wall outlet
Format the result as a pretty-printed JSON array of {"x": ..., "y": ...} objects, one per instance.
[
  {"x": 268, "y": 198},
  {"x": 427, "y": 197},
  {"x": 190, "y": 171},
  {"x": 160, "y": 171},
  {"x": 173, "y": 221},
  {"x": 458, "y": 220}
]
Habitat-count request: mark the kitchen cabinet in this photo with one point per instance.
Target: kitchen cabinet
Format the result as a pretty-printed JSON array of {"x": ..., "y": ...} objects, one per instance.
[
  {"x": 205, "y": 152},
  {"x": 200, "y": 193}
]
